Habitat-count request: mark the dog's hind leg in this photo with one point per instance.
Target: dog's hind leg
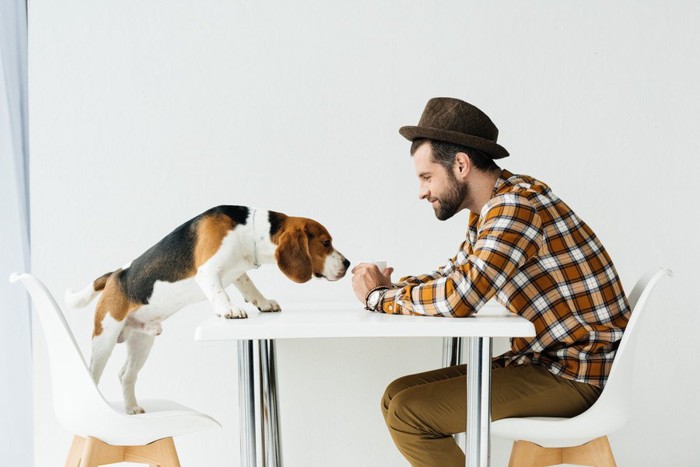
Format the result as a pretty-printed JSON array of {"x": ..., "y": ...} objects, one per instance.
[
  {"x": 252, "y": 295},
  {"x": 110, "y": 318},
  {"x": 138, "y": 347},
  {"x": 103, "y": 344}
]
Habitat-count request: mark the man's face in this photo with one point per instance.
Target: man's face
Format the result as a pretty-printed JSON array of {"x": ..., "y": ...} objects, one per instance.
[{"x": 437, "y": 184}]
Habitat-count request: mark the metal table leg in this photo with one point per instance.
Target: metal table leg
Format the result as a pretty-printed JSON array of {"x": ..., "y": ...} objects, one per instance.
[
  {"x": 451, "y": 356},
  {"x": 451, "y": 351},
  {"x": 479, "y": 402},
  {"x": 271, "y": 449},
  {"x": 246, "y": 402}
]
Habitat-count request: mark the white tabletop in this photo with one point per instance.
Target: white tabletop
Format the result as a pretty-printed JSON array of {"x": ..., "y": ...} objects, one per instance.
[{"x": 315, "y": 320}]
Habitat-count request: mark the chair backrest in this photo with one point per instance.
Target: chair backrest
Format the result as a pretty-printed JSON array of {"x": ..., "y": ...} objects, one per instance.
[
  {"x": 74, "y": 392},
  {"x": 615, "y": 399}
]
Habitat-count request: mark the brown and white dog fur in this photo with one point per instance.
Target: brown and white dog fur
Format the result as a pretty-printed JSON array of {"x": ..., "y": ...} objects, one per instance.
[{"x": 194, "y": 262}]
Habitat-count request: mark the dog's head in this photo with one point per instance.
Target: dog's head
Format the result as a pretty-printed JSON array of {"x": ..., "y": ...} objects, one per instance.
[{"x": 305, "y": 249}]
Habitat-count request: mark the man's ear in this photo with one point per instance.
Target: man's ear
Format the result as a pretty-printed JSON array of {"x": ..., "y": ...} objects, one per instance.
[{"x": 463, "y": 165}]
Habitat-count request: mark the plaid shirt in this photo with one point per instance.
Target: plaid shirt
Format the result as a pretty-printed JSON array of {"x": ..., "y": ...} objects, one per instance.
[{"x": 530, "y": 251}]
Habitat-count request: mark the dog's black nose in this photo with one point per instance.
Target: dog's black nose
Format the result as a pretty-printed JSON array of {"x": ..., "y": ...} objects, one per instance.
[{"x": 346, "y": 263}]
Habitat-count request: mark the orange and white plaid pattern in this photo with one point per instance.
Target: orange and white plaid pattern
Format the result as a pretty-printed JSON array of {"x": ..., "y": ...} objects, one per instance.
[{"x": 531, "y": 252}]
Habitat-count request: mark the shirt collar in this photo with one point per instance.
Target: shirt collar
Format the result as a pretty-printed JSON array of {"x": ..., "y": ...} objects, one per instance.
[
  {"x": 501, "y": 186},
  {"x": 503, "y": 183}
]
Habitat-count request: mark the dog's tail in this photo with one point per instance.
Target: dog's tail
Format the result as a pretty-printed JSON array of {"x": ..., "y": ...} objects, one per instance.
[{"x": 80, "y": 299}]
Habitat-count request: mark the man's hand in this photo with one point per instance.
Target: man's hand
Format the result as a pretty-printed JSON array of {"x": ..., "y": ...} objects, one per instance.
[{"x": 367, "y": 276}]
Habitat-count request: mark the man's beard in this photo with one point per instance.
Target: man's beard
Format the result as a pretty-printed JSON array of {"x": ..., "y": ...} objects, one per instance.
[{"x": 450, "y": 202}]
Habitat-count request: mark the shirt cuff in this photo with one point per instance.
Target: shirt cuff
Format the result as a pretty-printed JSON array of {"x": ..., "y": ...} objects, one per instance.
[{"x": 387, "y": 303}]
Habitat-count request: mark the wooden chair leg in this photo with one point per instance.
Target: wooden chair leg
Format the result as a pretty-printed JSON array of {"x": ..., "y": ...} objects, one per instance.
[
  {"x": 527, "y": 454},
  {"x": 169, "y": 454},
  {"x": 92, "y": 452},
  {"x": 96, "y": 453},
  {"x": 595, "y": 453},
  {"x": 76, "y": 451},
  {"x": 161, "y": 453}
]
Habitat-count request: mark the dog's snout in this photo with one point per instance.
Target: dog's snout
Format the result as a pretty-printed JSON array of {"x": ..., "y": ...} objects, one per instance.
[{"x": 346, "y": 263}]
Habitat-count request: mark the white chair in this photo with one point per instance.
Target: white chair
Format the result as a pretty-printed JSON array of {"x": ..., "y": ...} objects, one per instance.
[
  {"x": 540, "y": 441},
  {"x": 104, "y": 434}
]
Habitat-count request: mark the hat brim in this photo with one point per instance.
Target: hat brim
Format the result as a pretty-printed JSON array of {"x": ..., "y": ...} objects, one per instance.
[{"x": 495, "y": 150}]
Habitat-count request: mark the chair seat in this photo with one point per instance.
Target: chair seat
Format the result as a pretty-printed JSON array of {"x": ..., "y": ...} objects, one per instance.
[
  {"x": 163, "y": 419},
  {"x": 551, "y": 432}
]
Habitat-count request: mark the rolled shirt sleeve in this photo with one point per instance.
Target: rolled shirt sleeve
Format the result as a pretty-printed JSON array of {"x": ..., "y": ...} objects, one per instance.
[{"x": 441, "y": 272}]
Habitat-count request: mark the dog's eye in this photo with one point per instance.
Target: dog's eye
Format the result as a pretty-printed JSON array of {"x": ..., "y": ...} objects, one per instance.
[{"x": 327, "y": 243}]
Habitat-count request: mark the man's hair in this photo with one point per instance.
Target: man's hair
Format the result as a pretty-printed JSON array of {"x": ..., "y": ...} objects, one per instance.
[{"x": 444, "y": 154}]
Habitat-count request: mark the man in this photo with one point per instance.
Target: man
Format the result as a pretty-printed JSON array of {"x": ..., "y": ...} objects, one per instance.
[{"x": 527, "y": 249}]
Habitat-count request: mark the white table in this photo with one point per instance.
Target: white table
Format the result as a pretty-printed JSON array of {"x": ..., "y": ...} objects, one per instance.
[{"x": 318, "y": 320}]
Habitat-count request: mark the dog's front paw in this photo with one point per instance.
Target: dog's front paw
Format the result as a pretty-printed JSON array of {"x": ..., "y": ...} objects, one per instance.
[
  {"x": 134, "y": 410},
  {"x": 269, "y": 305},
  {"x": 232, "y": 313}
]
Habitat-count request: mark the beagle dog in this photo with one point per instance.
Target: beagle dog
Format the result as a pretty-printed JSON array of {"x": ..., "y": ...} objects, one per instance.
[{"x": 196, "y": 261}]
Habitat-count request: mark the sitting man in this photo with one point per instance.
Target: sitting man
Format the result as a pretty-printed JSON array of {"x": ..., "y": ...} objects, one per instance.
[{"x": 527, "y": 249}]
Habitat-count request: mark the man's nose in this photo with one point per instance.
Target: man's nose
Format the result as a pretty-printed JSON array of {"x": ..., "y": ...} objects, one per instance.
[{"x": 422, "y": 193}]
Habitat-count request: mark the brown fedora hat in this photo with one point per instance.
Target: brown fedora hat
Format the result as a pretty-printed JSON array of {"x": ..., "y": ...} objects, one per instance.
[{"x": 457, "y": 122}]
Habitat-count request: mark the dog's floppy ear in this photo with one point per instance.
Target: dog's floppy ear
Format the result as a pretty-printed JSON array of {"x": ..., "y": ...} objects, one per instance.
[{"x": 293, "y": 257}]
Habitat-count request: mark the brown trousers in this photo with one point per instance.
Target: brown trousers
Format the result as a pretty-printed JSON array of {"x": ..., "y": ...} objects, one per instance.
[{"x": 423, "y": 411}]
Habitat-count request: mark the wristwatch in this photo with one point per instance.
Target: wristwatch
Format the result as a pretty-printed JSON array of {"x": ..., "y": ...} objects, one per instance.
[{"x": 374, "y": 297}]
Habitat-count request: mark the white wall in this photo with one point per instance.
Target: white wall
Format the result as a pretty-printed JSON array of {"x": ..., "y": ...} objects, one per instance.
[{"x": 143, "y": 114}]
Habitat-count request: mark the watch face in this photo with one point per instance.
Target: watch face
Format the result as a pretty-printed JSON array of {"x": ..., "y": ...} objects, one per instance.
[{"x": 374, "y": 299}]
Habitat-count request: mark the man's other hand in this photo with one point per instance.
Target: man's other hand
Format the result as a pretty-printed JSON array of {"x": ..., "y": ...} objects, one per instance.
[{"x": 366, "y": 276}]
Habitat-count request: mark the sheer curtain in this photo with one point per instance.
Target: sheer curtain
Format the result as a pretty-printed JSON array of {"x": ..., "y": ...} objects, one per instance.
[{"x": 16, "y": 427}]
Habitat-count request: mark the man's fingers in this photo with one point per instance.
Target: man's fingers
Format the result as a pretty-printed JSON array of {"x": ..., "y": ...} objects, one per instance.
[{"x": 362, "y": 266}]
